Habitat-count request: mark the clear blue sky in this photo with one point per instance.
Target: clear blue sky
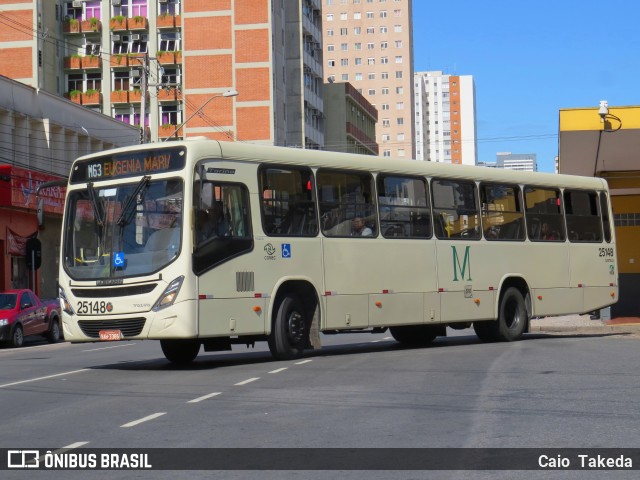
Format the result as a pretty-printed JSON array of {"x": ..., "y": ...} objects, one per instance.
[{"x": 529, "y": 59}]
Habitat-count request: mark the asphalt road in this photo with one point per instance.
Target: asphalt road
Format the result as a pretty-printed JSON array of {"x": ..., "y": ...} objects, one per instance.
[{"x": 359, "y": 391}]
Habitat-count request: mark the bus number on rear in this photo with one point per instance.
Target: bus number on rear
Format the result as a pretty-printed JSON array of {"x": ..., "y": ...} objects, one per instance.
[{"x": 605, "y": 252}]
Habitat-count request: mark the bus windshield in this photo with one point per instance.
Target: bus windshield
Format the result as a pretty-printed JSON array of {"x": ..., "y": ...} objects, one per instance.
[{"x": 124, "y": 230}]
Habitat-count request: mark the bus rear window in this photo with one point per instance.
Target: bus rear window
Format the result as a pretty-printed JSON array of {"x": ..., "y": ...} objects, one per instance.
[{"x": 583, "y": 221}]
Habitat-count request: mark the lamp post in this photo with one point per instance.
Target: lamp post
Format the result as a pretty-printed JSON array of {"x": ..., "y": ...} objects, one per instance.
[{"x": 228, "y": 93}]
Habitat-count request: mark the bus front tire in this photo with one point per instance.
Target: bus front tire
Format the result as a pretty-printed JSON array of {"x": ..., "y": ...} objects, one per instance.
[
  {"x": 414, "y": 335},
  {"x": 180, "y": 352},
  {"x": 289, "y": 330}
]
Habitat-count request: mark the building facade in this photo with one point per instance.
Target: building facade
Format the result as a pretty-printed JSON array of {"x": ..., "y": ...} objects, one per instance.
[
  {"x": 445, "y": 119},
  {"x": 524, "y": 162},
  {"x": 369, "y": 44},
  {"x": 351, "y": 120},
  {"x": 164, "y": 64}
]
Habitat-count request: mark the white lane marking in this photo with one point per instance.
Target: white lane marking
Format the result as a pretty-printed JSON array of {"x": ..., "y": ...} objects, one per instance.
[
  {"x": 204, "y": 397},
  {"x": 279, "y": 370},
  {"x": 303, "y": 362},
  {"x": 106, "y": 348},
  {"x": 145, "y": 419},
  {"x": 70, "y": 447},
  {"x": 244, "y": 382},
  {"x": 27, "y": 348},
  {"x": 43, "y": 378}
]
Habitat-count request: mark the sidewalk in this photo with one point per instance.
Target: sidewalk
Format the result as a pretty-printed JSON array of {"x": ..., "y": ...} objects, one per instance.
[{"x": 584, "y": 324}]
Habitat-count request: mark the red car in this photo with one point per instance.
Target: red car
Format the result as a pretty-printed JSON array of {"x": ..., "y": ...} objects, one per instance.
[{"x": 23, "y": 314}]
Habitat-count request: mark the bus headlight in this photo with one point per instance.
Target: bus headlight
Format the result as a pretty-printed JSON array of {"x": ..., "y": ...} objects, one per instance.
[
  {"x": 169, "y": 295},
  {"x": 64, "y": 303}
]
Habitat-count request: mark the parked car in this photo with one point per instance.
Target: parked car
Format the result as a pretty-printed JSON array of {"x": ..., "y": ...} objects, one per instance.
[{"x": 23, "y": 314}]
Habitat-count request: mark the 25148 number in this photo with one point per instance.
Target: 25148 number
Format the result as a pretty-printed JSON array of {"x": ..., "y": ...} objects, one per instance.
[
  {"x": 605, "y": 252},
  {"x": 87, "y": 308}
]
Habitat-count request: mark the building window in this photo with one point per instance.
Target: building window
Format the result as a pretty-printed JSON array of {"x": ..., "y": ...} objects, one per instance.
[
  {"x": 371, "y": 61},
  {"x": 357, "y": 15},
  {"x": 343, "y": 16},
  {"x": 343, "y": 31},
  {"x": 344, "y": 62},
  {"x": 385, "y": 106},
  {"x": 386, "y": 153},
  {"x": 370, "y": 15},
  {"x": 344, "y": 47},
  {"x": 357, "y": 46},
  {"x": 357, "y": 30},
  {"x": 398, "y": 58},
  {"x": 330, "y": 33},
  {"x": 329, "y": 17},
  {"x": 400, "y": 105},
  {"x": 384, "y": 75},
  {"x": 358, "y": 61},
  {"x": 358, "y": 76},
  {"x": 345, "y": 77},
  {"x": 400, "y": 121},
  {"x": 384, "y": 45},
  {"x": 371, "y": 92},
  {"x": 400, "y": 137},
  {"x": 383, "y": 30},
  {"x": 385, "y": 122},
  {"x": 371, "y": 30},
  {"x": 397, "y": 28},
  {"x": 399, "y": 90},
  {"x": 399, "y": 74},
  {"x": 330, "y": 48},
  {"x": 401, "y": 152},
  {"x": 331, "y": 63},
  {"x": 383, "y": 14},
  {"x": 398, "y": 43},
  {"x": 385, "y": 137},
  {"x": 385, "y": 91},
  {"x": 372, "y": 76}
]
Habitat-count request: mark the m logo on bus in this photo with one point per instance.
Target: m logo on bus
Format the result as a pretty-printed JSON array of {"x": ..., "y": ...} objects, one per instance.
[{"x": 466, "y": 264}]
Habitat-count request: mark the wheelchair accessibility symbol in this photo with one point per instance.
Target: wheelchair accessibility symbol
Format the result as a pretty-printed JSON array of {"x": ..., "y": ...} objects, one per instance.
[
  {"x": 118, "y": 259},
  {"x": 286, "y": 250}
]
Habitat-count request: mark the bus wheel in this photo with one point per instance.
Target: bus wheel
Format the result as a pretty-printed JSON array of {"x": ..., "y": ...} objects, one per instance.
[
  {"x": 486, "y": 330},
  {"x": 512, "y": 317},
  {"x": 288, "y": 334},
  {"x": 414, "y": 335},
  {"x": 180, "y": 352}
]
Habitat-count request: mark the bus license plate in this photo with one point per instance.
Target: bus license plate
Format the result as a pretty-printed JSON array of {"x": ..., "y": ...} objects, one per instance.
[{"x": 110, "y": 335}]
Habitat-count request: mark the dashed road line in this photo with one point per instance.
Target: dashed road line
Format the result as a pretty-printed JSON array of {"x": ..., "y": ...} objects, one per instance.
[
  {"x": 106, "y": 348},
  {"x": 303, "y": 362},
  {"x": 205, "y": 397},
  {"x": 145, "y": 419},
  {"x": 279, "y": 370},
  {"x": 43, "y": 378},
  {"x": 70, "y": 447},
  {"x": 244, "y": 382}
]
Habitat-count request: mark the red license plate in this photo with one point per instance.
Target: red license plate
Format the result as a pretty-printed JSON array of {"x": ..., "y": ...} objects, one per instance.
[{"x": 110, "y": 335}]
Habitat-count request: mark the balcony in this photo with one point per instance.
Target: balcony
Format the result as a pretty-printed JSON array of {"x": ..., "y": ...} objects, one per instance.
[
  {"x": 74, "y": 62},
  {"x": 169, "y": 95},
  {"x": 138, "y": 23},
  {"x": 119, "y": 60},
  {"x": 91, "y": 61},
  {"x": 166, "y": 21},
  {"x": 71, "y": 26},
  {"x": 75, "y": 96},
  {"x": 167, "y": 130},
  {"x": 135, "y": 96},
  {"x": 117, "y": 23},
  {"x": 120, "y": 96},
  {"x": 92, "y": 25},
  {"x": 166, "y": 58},
  {"x": 91, "y": 97}
]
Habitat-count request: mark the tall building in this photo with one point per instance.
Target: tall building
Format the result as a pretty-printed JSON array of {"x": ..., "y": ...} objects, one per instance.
[
  {"x": 524, "y": 162},
  {"x": 166, "y": 64},
  {"x": 369, "y": 44},
  {"x": 445, "y": 119}
]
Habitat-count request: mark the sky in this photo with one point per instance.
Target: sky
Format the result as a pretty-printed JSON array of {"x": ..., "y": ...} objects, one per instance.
[{"x": 529, "y": 59}]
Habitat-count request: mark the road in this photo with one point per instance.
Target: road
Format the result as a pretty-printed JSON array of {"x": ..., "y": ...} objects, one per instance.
[{"x": 360, "y": 390}]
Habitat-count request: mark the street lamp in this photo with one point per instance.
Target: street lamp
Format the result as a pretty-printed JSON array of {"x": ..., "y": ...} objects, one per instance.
[{"x": 228, "y": 93}]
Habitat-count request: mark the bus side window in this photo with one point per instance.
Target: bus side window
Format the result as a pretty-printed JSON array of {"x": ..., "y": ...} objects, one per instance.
[
  {"x": 543, "y": 212},
  {"x": 606, "y": 219},
  {"x": 502, "y": 213},
  {"x": 403, "y": 207},
  {"x": 456, "y": 205},
  {"x": 583, "y": 220}
]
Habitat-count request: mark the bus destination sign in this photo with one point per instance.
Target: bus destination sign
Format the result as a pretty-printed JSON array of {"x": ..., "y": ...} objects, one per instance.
[{"x": 132, "y": 164}]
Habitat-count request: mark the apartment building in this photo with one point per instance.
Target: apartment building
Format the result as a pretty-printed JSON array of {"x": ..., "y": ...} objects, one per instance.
[
  {"x": 368, "y": 43},
  {"x": 524, "y": 162},
  {"x": 168, "y": 65},
  {"x": 445, "y": 118}
]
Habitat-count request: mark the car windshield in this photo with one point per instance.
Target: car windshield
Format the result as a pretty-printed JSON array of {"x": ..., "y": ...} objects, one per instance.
[
  {"x": 8, "y": 301},
  {"x": 123, "y": 231}
]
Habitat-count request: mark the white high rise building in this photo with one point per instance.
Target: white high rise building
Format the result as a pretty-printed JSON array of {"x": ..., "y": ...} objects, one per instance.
[{"x": 445, "y": 120}]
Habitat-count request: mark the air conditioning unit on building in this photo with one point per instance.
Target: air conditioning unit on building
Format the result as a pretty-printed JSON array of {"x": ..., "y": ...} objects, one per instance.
[
  {"x": 115, "y": 37},
  {"x": 135, "y": 37},
  {"x": 76, "y": 4},
  {"x": 115, "y": 3},
  {"x": 163, "y": 1},
  {"x": 135, "y": 73}
]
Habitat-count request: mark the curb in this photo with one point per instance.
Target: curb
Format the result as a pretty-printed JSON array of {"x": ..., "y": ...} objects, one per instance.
[{"x": 599, "y": 329}]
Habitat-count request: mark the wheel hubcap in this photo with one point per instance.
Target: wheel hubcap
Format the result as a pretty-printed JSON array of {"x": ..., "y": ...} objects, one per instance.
[{"x": 295, "y": 327}]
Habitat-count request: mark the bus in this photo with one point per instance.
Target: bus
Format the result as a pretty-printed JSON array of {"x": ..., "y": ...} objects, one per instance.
[{"x": 207, "y": 244}]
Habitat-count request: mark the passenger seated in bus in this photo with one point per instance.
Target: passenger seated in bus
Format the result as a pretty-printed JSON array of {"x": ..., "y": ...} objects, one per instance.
[
  {"x": 359, "y": 229},
  {"x": 546, "y": 233},
  {"x": 213, "y": 223}
]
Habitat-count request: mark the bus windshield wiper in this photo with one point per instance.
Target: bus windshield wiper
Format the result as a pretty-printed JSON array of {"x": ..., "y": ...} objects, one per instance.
[
  {"x": 96, "y": 203},
  {"x": 127, "y": 210}
]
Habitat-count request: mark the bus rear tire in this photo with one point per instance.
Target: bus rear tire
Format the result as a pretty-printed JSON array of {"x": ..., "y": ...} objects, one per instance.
[
  {"x": 512, "y": 317},
  {"x": 180, "y": 352},
  {"x": 289, "y": 330},
  {"x": 414, "y": 335}
]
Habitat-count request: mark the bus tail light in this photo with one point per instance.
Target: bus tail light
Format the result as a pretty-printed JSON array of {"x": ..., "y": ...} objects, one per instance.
[
  {"x": 169, "y": 295},
  {"x": 64, "y": 303}
]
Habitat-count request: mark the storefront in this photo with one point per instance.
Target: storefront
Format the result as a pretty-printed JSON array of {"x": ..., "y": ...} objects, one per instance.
[{"x": 18, "y": 223}]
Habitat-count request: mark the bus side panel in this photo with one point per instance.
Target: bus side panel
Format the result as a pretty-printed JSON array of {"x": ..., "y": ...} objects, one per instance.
[
  {"x": 232, "y": 316},
  {"x": 593, "y": 269},
  {"x": 365, "y": 266}
]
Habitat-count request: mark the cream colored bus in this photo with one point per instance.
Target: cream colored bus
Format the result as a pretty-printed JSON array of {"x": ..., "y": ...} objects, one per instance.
[{"x": 204, "y": 243}]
